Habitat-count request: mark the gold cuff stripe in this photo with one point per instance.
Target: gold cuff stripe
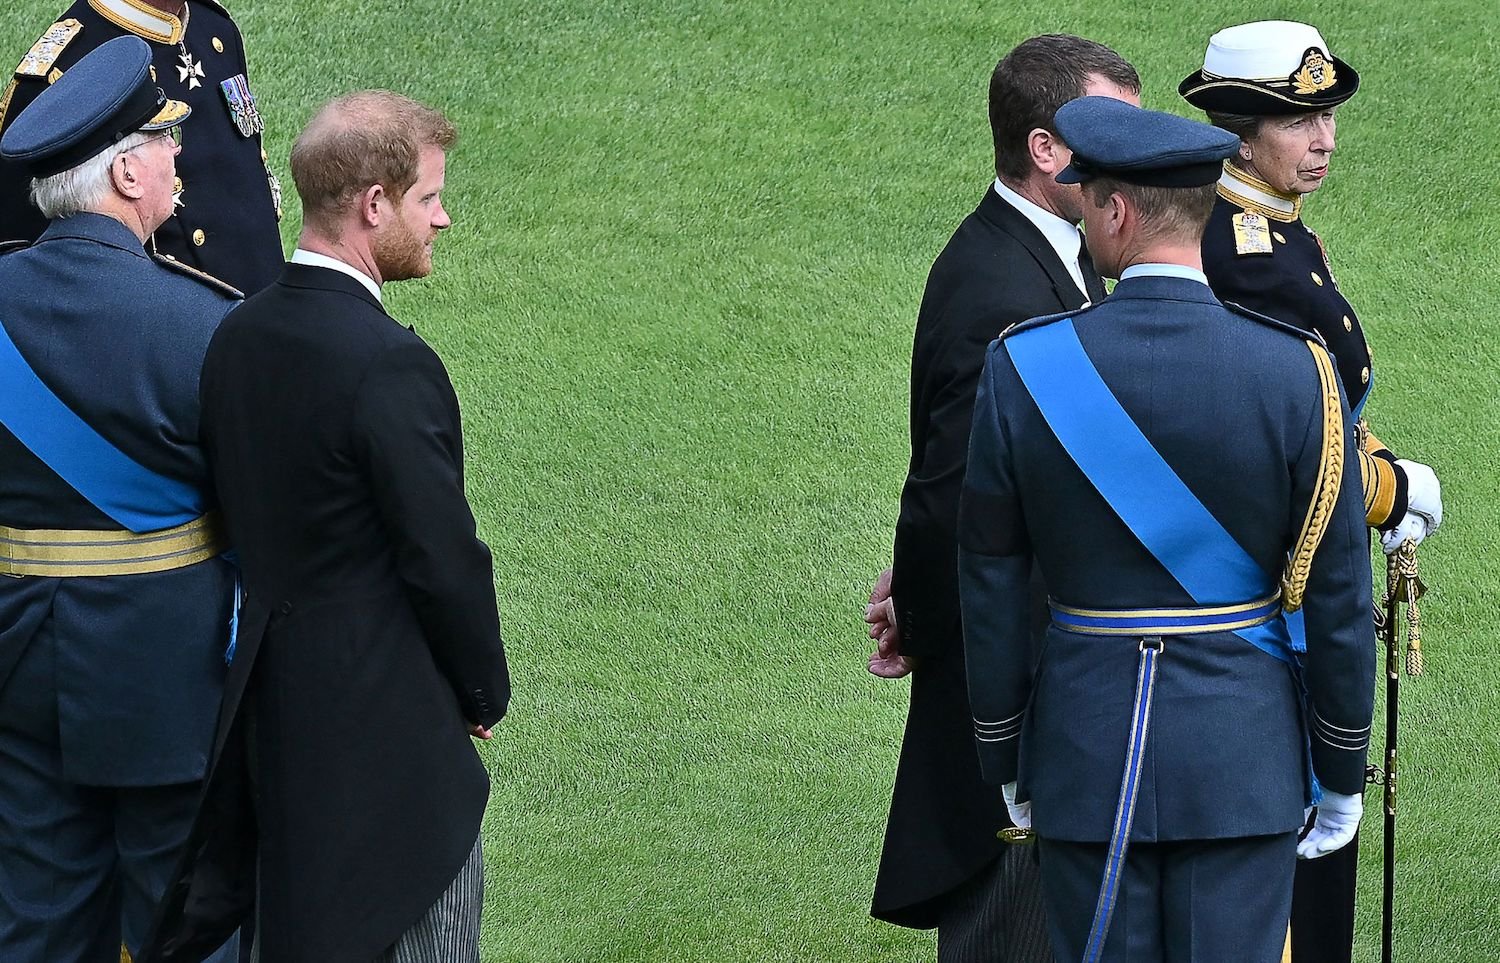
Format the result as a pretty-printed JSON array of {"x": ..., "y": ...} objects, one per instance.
[
  {"x": 73, "y": 552},
  {"x": 1326, "y": 489},
  {"x": 1379, "y": 478}
]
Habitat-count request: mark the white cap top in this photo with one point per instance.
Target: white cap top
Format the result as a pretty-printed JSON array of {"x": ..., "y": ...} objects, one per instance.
[{"x": 1265, "y": 50}]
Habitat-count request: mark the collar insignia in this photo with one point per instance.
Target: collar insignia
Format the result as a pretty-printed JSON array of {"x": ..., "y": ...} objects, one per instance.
[{"x": 1315, "y": 75}]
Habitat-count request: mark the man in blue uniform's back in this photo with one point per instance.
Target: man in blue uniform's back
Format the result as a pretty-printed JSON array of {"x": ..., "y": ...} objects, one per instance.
[
  {"x": 1180, "y": 469},
  {"x": 115, "y": 606}
]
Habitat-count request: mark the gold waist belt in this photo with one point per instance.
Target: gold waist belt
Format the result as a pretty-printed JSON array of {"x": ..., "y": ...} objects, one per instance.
[{"x": 60, "y": 552}]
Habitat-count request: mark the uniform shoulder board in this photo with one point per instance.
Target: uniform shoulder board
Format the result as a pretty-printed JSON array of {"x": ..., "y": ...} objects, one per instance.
[
  {"x": 1030, "y": 323},
  {"x": 203, "y": 277},
  {"x": 10, "y": 247},
  {"x": 1252, "y": 234},
  {"x": 1271, "y": 322},
  {"x": 44, "y": 53}
]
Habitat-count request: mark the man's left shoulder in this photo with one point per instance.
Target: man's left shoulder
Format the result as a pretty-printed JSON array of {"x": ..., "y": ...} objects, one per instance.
[{"x": 202, "y": 279}]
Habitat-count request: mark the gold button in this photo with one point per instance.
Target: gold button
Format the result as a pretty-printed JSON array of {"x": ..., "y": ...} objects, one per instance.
[
  {"x": 199, "y": 237},
  {"x": 1364, "y": 375},
  {"x": 1277, "y": 236},
  {"x": 1317, "y": 280},
  {"x": 1348, "y": 325},
  {"x": 218, "y": 45}
]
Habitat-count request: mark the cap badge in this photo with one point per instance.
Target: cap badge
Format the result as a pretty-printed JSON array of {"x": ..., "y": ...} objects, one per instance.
[{"x": 1316, "y": 73}]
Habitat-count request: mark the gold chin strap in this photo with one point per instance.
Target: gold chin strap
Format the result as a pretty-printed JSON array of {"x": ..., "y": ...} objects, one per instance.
[{"x": 1325, "y": 492}]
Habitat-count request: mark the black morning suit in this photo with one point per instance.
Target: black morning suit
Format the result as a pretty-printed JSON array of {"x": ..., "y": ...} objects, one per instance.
[
  {"x": 998, "y": 269},
  {"x": 368, "y": 642}
]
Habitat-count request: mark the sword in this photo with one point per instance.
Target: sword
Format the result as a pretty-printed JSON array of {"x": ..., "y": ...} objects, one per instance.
[{"x": 1403, "y": 585}]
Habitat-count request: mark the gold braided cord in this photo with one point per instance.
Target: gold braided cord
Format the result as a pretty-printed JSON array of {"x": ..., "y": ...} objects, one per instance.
[
  {"x": 1325, "y": 491},
  {"x": 1404, "y": 583}
]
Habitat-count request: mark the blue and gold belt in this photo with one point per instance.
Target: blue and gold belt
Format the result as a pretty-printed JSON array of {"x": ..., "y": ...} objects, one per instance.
[{"x": 1166, "y": 621}]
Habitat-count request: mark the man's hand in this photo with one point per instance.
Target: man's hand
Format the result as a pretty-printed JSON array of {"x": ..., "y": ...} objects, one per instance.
[
  {"x": 480, "y": 732},
  {"x": 886, "y": 661},
  {"x": 1020, "y": 813},
  {"x": 1338, "y": 818}
]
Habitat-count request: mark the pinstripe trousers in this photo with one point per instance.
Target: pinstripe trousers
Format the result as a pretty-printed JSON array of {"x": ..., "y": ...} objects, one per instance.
[
  {"x": 449, "y": 931},
  {"x": 998, "y": 917}
]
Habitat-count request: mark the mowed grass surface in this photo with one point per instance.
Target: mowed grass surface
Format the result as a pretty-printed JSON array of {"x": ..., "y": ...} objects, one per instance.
[{"x": 677, "y": 304}]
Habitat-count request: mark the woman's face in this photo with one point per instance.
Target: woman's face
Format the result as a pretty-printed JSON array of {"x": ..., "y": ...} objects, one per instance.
[{"x": 1291, "y": 153}]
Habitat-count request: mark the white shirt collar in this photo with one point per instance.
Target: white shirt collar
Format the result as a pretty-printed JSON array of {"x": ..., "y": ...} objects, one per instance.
[
  {"x": 313, "y": 259},
  {"x": 1062, "y": 235},
  {"x": 1157, "y": 270}
]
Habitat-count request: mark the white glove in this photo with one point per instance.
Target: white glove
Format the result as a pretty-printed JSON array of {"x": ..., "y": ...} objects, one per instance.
[
  {"x": 1412, "y": 526},
  {"x": 1020, "y": 813},
  {"x": 1424, "y": 496},
  {"x": 1338, "y": 818}
]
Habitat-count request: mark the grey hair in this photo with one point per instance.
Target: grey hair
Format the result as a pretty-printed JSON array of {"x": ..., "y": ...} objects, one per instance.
[{"x": 84, "y": 186}]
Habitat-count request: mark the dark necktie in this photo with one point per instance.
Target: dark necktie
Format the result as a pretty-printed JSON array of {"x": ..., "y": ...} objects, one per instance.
[{"x": 1092, "y": 285}]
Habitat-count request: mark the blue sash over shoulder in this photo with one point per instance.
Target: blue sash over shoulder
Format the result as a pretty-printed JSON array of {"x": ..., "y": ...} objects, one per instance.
[
  {"x": 1142, "y": 489},
  {"x": 134, "y": 496}
]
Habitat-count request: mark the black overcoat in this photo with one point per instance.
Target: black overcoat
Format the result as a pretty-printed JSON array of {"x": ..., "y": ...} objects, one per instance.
[
  {"x": 998, "y": 269},
  {"x": 368, "y": 641}
]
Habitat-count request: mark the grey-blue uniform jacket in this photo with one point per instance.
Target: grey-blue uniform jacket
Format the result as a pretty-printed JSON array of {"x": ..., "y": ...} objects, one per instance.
[
  {"x": 1234, "y": 405},
  {"x": 228, "y": 203},
  {"x": 118, "y": 338}
]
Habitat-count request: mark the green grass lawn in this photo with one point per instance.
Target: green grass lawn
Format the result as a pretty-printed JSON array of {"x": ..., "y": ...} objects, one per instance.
[{"x": 677, "y": 302}]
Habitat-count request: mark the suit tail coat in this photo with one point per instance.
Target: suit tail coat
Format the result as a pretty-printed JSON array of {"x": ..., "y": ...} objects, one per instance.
[{"x": 369, "y": 638}]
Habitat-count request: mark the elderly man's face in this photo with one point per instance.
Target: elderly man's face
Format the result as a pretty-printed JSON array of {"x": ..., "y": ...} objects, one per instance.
[
  {"x": 403, "y": 246},
  {"x": 1291, "y": 153}
]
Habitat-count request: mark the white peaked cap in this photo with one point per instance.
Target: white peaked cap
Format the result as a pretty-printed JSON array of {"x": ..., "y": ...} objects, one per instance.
[{"x": 1264, "y": 50}]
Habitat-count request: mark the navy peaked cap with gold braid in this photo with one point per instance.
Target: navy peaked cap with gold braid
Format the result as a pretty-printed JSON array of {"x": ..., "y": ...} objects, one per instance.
[
  {"x": 1111, "y": 138},
  {"x": 107, "y": 96}
]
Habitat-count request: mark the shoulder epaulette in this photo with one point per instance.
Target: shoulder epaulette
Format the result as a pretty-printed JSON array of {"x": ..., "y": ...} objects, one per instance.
[
  {"x": 1271, "y": 322},
  {"x": 10, "y": 90},
  {"x": 1030, "y": 323},
  {"x": 44, "y": 53},
  {"x": 203, "y": 277},
  {"x": 10, "y": 247}
]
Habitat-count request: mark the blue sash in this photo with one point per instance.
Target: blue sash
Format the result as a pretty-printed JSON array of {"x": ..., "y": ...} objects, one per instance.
[
  {"x": 135, "y": 497},
  {"x": 1136, "y": 481}
]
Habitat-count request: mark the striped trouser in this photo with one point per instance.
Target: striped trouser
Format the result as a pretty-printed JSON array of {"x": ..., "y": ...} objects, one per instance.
[
  {"x": 449, "y": 931},
  {"x": 997, "y": 917}
]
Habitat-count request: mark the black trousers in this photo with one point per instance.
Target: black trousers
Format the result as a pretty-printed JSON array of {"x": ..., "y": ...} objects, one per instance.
[
  {"x": 1323, "y": 907},
  {"x": 1198, "y": 901}
]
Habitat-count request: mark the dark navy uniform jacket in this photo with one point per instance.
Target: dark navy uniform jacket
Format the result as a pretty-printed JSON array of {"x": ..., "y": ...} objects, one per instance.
[
  {"x": 1288, "y": 277},
  {"x": 1233, "y": 404},
  {"x": 120, "y": 340},
  {"x": 226, "y": 224}
]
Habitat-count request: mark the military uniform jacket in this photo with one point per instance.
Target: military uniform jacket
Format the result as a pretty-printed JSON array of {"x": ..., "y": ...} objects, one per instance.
[
  {"x": 226, "y": 220},
  {"x": 1234, "y": 406},
  {"x": 1259, "y": 254},
  {"x": 369, "y": 640},
  {"x": 119, "y": 339},
  {"x": 996, "y": 270}
]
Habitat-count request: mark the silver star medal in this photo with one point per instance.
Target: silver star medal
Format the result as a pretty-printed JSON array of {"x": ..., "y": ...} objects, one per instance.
[{"x": 188, "y": 71}]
